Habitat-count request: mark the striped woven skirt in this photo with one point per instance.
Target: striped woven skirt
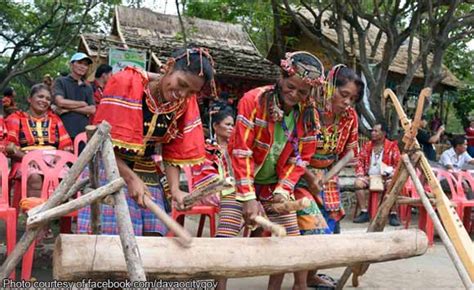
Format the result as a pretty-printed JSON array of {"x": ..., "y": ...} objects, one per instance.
[{"x": 143, "y": 220}]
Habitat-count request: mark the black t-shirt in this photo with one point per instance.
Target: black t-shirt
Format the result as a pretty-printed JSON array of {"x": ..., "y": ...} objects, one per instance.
[
  {"x": 423, "y": 138},
  {"x": 70, "y": 89}
]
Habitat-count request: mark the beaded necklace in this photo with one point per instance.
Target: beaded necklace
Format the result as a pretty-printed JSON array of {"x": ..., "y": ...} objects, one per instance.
[{"x": 329, "y": 138}]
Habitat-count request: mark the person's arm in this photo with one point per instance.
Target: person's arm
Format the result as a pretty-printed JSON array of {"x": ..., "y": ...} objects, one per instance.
[
  {"x": 435, "y": 138},
  {"x": 87, "y": 110},
  {"x": 70, "y": 105},
  {"x": 136, "y": 187},
  {"x": 172, "y": 175},
  {"x": 445, "y": 161}
]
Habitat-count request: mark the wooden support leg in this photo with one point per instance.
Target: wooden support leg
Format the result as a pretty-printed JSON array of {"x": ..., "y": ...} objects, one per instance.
[
  {"x": 127, "y": 236},
  {"x": 57, "y": 197},
  {"x": 94, "y": 180}
]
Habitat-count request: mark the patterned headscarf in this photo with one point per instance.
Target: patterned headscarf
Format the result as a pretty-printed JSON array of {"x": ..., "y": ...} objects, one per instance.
[{"x": 324, "y": 102}]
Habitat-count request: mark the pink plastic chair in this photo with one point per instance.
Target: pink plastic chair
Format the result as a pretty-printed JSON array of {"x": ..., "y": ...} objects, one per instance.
[
  {"x": 7, "y": 213},
  {"x": 50, "y": 182},
  {"x": 203, "y": 210},
  {"x": 424, "y": 221},
  {"x": 463, "y": 205},
  {"x": 80, "y": 138}
]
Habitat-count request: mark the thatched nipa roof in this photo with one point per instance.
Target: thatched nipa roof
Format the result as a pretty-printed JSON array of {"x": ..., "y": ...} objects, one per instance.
[{"x": 234, "y": 53}]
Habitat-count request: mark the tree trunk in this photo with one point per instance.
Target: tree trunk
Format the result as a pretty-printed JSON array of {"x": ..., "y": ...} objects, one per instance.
[
  {"x": 277, "y": 38},
  {"x": 100, "y": 257}
]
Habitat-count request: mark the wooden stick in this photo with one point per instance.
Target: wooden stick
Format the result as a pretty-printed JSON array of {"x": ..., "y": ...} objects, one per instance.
[
  {"x": 30, "y": 235},
  {"x": 276, "y": 229},
  {"x": 210, "y": 189},
  {"x": 338, "y": 166},
  {"x": 78, "y": 186},
  {"x": 184, "y": 238},
  {"x": 290, "y": 206},
  {"x": 94, "y": 180},
  {"x": 125, "y": 227},
  {"x": 463, "y": 274},
  {"x": 98, "y": 257},
  {"x": 78, "y": 203}
]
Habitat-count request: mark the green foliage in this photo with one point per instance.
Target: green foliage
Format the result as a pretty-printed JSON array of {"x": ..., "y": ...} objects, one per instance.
[
  {"x": 255, "y": 16},
  {"x": 37, "y": 37},
  {"x": 460, "y": 60}
]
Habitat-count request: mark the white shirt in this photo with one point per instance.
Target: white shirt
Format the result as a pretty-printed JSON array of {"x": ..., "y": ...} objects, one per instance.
[
  {"x": 375, "y": 163},
  {"x": 449, "y": 157}
]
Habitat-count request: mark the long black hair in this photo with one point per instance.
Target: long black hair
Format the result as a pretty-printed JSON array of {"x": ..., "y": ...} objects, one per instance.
[{"x": 346, "y": 75}]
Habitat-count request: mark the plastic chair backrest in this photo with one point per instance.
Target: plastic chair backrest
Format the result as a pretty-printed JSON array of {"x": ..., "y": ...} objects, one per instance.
[
  {"x": 464, "y": 175},
  {"x": 50, "y": 174},
  {"x": 80, "y": 138},
  {"x": 189, "y": 177},
  {"x": 452, "y": 182},
  {"x": 4, "y": 175}
]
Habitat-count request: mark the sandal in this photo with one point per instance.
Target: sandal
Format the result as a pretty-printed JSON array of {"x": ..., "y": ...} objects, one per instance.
[{"x": 325, "y": 282}]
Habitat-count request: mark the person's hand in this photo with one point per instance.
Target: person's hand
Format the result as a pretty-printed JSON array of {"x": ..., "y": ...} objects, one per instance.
[
  {"x": 137, "y": 190},
  {"x": 251, "y": 209},
  {"x": 178, "y": 197},
  {"x": 441, "y": 129},
  {"x": 280, "y": 198},
  {"x": 316, "y": 185}
]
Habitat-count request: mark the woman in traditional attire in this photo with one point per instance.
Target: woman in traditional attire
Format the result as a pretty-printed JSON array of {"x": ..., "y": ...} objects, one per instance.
[
  {"x": 37, "y": 129},
  {"x": 337, "y": 137},
  {"x": 273, "y": 140},
  {"x": 149, "y": 117}
]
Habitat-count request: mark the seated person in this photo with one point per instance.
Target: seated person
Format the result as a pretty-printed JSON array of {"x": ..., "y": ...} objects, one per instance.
[
  {"x": 379, "y": 156},
  {"x": 455, "y": 159},
  {"x": 38, "y": 128}
]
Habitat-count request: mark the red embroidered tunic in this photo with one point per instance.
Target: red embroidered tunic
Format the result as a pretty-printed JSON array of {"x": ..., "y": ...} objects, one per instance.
[
  {"x": 140, "y": 122},
  {"x": 251, "y": 142},
  {"x": 391, "y": 156},
  {"x": 31, "y": 133}
]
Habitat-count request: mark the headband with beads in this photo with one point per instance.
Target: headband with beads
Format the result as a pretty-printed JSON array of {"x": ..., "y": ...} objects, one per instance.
[
  {"x": 312, "y": 75},
  {"x": 203, "y": 52}
]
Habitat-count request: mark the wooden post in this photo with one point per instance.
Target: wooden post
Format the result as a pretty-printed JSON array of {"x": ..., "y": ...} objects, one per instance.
[
  {"x": 184, "y": 238},
  {"x": 463, "y": 274},
  {"x": 94, "y": 180},
  {"x": 98, "y": 257},
  {"x": 78, "y": 203},
  {"x": 122, "y": 214},
  {"x": 57, "y": 197}
]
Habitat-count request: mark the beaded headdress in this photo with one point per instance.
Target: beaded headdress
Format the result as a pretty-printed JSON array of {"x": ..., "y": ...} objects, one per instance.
[{"x": 203, "y": 52}]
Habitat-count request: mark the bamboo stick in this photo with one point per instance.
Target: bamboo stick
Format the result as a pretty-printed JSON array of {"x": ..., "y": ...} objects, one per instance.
[{"x": 184, "y": 238}]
